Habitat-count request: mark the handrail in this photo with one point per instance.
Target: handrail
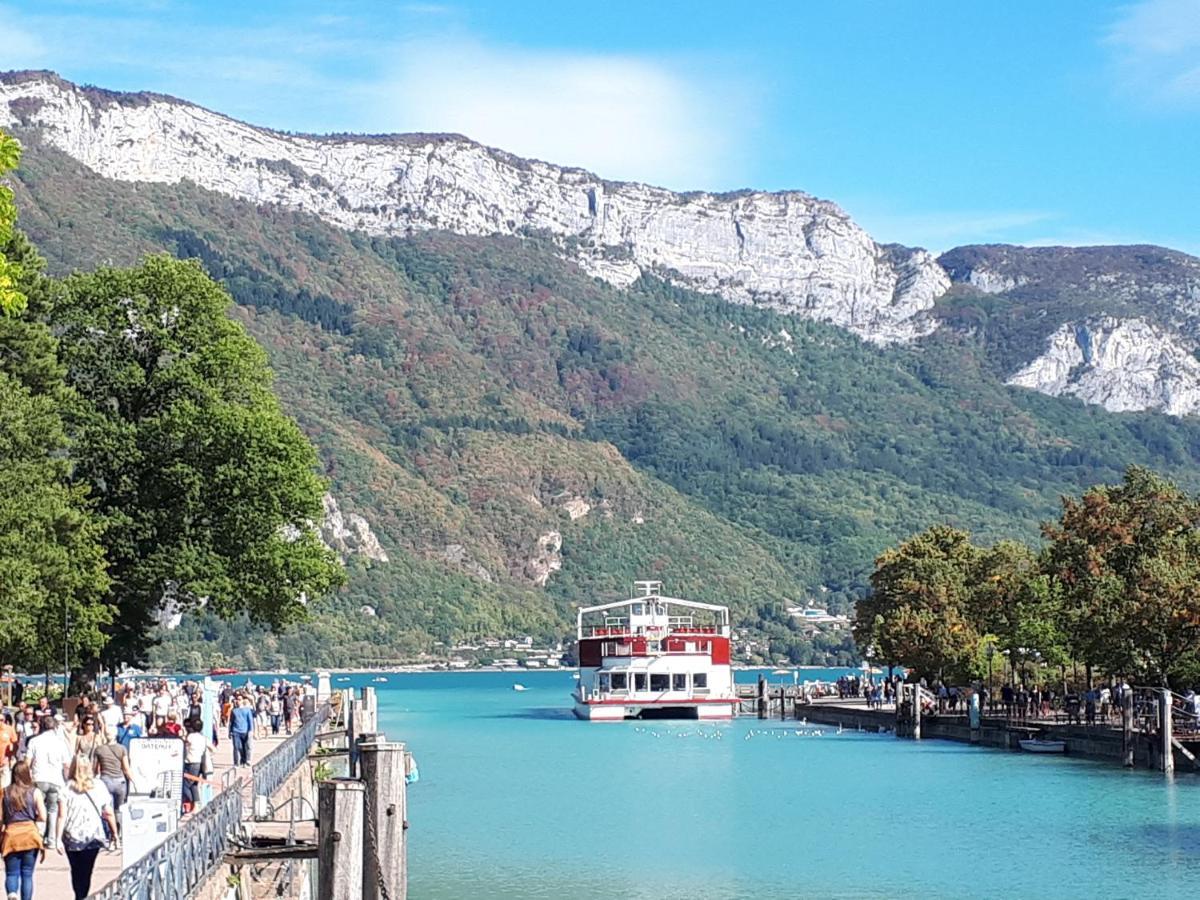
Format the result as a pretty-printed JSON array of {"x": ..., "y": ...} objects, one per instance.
[
  {"x": 273, "y": 769},
  {"x": 183, "y": 861}
]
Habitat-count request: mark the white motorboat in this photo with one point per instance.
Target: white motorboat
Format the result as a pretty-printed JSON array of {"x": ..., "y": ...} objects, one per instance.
[
  {"x": 1041, "y": 745},
  {"x": 380, "y": 680},
  {"x": 520, "y": 687}
]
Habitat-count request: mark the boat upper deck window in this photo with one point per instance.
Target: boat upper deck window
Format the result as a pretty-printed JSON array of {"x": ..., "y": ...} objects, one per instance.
[{"x": 638, "y": 609}]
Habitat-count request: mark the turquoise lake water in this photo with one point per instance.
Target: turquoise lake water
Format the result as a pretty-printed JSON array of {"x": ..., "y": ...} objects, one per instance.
[{"x": 517, "y": 799}]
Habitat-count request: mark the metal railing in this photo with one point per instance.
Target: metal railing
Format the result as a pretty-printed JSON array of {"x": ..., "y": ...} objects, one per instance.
[
  {"x": 184, "y": 860},
  {"x": 273, "y": 769}
]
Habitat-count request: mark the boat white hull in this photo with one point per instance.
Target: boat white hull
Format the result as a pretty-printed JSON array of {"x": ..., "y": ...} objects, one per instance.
[
  {"x": 619, "y": 712},
  {"x": 1035, "y": 746}
]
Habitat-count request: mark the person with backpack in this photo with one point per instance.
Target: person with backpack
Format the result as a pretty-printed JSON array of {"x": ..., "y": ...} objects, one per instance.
[
  {"x": 86, "y": 826},
  {"x": 22, "y": 812}
]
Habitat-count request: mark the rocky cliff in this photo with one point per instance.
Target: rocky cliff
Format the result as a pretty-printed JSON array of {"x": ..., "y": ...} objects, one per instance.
[
  {"x": 1115, "y": 326},
  {"x": 788, "y": 250},
  {"x": 1120, "y": 364}
]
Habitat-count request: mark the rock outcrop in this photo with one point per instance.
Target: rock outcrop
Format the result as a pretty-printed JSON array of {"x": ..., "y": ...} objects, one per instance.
[
  {"x": 546, "y": 559},
  {"x": 349, "y": 534},
  {"x": 1120, "y": 364},
  {"x": 787, "y": 250}
]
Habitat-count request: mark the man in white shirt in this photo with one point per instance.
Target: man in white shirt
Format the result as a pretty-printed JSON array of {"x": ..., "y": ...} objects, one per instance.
[
  {"x": 111, "y": 716},
  {"x": 162, "y": 706},
  {"x": 49, "y": 759},
  {"x": 146, "y": 705}
]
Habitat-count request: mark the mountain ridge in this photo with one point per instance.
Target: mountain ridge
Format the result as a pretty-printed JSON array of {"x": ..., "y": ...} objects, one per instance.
[
  {"x": 787, "y": 250},
  {"x": 502, "y": 420}
]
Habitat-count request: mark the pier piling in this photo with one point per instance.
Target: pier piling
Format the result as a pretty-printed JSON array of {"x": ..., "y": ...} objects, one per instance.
[
  {"x": 1167, "y": 750},
  {"x": 1127, "y": 729},
  {"x": 385, "y": 845},
  {"x": 339, "y": 848}
]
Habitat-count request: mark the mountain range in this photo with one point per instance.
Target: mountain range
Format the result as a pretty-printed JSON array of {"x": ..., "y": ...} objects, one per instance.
[{"x": 530, "y": 385}]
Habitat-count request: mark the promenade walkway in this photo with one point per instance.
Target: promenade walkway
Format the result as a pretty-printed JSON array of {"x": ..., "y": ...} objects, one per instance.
[{"x": 52, "y": 879}]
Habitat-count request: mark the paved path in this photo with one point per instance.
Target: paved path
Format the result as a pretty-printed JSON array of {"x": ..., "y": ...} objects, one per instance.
[{"x": 52, "y": 878}]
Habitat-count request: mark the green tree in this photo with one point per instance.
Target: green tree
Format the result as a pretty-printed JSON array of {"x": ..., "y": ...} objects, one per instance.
[
  {"x": 1126, "y": 559},
  {"x": 917, "y": 614},
  {"x": 11, "y": 298},
  {"x": 1014, "y": 602},
  {"x": 52, "y": 573},
  {"x": 206, "y": 487}
]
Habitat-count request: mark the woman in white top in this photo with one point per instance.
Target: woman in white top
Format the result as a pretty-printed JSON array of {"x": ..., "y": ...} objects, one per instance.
[{"x": 87, "y": 809}]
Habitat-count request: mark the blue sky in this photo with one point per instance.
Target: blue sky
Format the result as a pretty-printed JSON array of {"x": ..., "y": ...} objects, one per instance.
[{"x": 934, "y": 123}]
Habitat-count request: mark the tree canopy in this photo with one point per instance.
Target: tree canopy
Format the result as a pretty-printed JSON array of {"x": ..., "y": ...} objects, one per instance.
[
  {"x": 11, "y": 298},
  {"x": 145, "y": 464},
  {"x": 1127, "y": 558},
  {"x": 52, "y": 570},
  {"x": 1116, "y": 586},
  {"x": 207, "y": 490}
]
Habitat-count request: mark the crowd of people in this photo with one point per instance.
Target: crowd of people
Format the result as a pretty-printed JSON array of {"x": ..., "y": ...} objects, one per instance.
[{"x": 65, "y": 769}]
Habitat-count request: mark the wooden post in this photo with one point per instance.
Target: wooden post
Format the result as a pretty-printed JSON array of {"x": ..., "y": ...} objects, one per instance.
[
  {"x": 340, "y": 839},
  {"x": 1164, "y": 731},
  {"x": 916, "y": 691},
  {"x": 353, "y": 730},
  {"x": 762, "y": 697},
  {"x": 385, "y": 849},
  {"x": 1127, "y": 728},
  {"x": 368, "y": 698}
]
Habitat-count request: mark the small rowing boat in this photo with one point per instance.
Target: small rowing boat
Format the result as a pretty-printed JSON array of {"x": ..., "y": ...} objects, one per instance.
[{"x": 1040, "y": 745}]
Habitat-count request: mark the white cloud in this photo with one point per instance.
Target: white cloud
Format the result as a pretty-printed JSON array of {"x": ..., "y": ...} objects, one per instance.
[
  {"x": 1156, "y": 51},
  {"x": 620, "y": 116}
]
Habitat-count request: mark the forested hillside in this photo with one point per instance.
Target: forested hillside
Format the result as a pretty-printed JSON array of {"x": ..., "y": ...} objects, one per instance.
[{"x": 523, "y": 437}]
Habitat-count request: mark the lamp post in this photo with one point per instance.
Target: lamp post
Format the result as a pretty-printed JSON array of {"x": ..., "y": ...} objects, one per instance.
[
  {"x": 66, "y": 649},
  {"x": 991, "y": 651}
]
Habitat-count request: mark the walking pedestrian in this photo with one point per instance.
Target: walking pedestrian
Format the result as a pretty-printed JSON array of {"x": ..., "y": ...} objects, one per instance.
[
  {"x": 86, "y": 826},
  {"x": 48, "y": 762},
  {"x": 196, "y": 763},
  {"x": 241, "y": 726},
  {"x": 112, "y": 765},
  {"x": 24, "y": 813}
]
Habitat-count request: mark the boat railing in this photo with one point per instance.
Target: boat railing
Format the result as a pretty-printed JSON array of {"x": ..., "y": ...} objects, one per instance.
[{"x": 593, "y": 631}]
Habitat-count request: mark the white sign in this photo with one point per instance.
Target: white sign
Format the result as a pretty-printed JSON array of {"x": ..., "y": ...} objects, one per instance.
[
  {"x": 146, "y": 823},
  {"x": 157, "y": 766}
]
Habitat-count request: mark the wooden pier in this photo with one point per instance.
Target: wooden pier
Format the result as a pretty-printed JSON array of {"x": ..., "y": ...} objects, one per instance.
[{"x": 1147, "y": 735}]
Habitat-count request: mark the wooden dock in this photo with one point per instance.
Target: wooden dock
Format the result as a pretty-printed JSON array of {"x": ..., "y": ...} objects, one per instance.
[{"x": 1142, "y": 742}]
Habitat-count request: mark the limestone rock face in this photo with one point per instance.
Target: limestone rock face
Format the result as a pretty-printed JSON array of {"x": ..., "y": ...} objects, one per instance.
[
  {"x": 349, "y": 534},
  {"x": 787, "y": 250},
  {"x": 546, "y": 559},
  {"x": 1120, "y": 364}
]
